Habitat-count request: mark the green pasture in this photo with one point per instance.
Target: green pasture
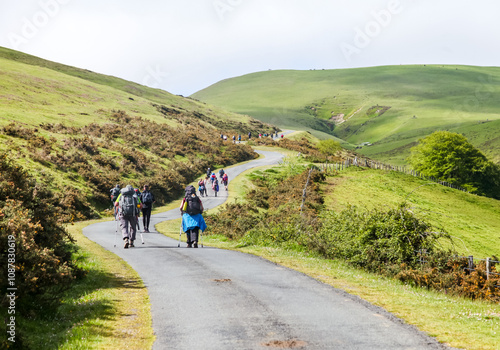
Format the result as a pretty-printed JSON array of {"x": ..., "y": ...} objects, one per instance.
[
  {"x": 419, "y": 100},
  {"x": 472, "y": 221}
]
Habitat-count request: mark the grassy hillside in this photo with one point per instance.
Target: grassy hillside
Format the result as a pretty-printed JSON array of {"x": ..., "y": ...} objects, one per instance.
[
  {"x": 390, "y": 107},
  {"x": 79, "y": 132},
  {"x": 471, "y": 220}
]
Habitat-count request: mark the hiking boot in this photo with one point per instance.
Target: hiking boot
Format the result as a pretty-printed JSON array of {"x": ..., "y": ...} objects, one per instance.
[
  {"x": 189, "y": 245},
  {"x": 131, "y": 244},
  {"x": 195, "y": 245},
  {"x": 126, "y": 243}
]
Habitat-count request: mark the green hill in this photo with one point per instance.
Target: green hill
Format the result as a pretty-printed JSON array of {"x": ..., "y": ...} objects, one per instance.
[
  {"x": 79, "y": 132},
  {"x": 381, "y": 110}
]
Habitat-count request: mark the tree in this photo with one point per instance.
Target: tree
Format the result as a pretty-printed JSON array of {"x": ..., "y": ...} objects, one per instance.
[{"x": 450, "y": 157}]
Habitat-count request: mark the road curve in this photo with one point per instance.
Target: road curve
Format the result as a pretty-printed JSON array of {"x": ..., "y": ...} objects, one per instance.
[{"x": 217, "y": 299}]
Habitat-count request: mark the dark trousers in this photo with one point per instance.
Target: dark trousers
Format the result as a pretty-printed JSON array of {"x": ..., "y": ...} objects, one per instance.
[
  {"x": 192, "y": 235},
  {"x": 146, "y": 217}
]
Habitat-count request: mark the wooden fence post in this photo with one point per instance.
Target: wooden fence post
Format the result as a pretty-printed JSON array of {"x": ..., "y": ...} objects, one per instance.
[
  {"x": 487, "y": 268},
  {"x": 471, "y": 262}
]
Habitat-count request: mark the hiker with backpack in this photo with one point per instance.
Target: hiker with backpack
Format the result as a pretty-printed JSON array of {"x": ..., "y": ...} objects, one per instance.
[
  {"x": 192, "y": 220},
  {"x": 202, "y": 187},
  {"x": 221, "y": 173},
  {"x": 128, "y": 205},
  {"x": 215, "y": 186},
  {"x": 147, "y": 200},
  {"x": 225, "y": 180},
  {"x": 115, "y": 192}
]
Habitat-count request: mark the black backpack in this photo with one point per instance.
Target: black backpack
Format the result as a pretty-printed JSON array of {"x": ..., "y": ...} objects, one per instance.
[
  {"x": 115, "y": 191},
  {"x": 128, "y": 203},
  {"x": 193, "y": 202},
  {"x": 147, "y": 197}
]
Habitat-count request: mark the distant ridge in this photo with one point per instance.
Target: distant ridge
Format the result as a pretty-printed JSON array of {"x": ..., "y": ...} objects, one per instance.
[{"x": 387, "y": 107}]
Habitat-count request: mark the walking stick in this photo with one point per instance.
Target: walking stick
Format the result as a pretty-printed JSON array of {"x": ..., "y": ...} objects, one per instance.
[
  {"x": 139, "y": 228},
  {"x": 180, "y": 233},
  {"x": 116, "y": 230}
]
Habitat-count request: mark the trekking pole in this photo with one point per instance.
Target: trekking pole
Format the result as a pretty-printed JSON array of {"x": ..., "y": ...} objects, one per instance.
[
  {"x": 116, "y": 230},
  {"x": 201, "y": 238},
  {"x": 180, "y": 233},
  {"x": 139, "y": 228}
]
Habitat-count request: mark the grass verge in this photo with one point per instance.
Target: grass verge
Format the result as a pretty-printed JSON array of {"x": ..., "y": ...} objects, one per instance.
[{"x": 109, "y": 309}]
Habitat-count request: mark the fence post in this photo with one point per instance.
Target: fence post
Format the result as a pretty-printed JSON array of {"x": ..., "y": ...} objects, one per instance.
[
  {"x": 471, "y": 262},
  {"x": 487, "y": 268}
]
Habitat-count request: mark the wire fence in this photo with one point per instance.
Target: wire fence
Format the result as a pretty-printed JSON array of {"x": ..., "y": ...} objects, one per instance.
[
  {"x": 491, "y": 271},
  {"x": 368, "y": 163}
]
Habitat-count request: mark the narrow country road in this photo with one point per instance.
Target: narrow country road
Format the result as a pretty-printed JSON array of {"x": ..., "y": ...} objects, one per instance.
[{"x": 209, "y": 298}]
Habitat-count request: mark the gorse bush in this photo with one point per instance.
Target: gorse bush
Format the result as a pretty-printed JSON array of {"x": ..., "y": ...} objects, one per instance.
[
  {"x": 451, "y": 274},
  {"x": 375, "y": 239},
  {"x": 43, "y": 248}
]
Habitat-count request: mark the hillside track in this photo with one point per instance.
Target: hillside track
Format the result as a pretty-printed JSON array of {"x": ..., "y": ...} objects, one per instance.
[{"x": 209, "y": 298}]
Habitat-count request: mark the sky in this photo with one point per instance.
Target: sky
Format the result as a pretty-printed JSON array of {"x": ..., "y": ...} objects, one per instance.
[{"x": 185, "y": 46}]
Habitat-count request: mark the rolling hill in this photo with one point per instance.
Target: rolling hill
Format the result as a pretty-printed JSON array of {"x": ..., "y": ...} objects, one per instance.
[{"x": 381, "y": 111}]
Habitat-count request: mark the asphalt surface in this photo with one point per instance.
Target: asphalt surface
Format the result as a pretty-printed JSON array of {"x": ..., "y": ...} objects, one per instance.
[{"x": 209, "y": 298}]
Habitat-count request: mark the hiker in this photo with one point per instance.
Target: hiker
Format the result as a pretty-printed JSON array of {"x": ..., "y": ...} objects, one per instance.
[
  {"x": 201, "y": 187},
  {"x": 115, "y": 192},
  {"x": 213, "y": 178},
  {"x": 239, "y": 138},
  {"x": 225, "y": 180},
  {"x": 192, "y": 220},
  {"x": 147, "y": 199},
  {"x": 215, "y": 186},
  {"x": 128, "y": 206},
  {"x": 208, "y": 173},
  {"x": 221, "y": 173},
  {"x": 234, "y": 139},
  {"x": 249, "y": 135}
]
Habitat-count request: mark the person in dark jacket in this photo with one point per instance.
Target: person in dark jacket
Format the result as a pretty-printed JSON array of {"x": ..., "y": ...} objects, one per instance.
[{"x": 147, "y": 199}]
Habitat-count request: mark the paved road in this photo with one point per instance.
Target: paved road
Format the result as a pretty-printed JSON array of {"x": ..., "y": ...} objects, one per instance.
[{"x": 210, "y": 298}]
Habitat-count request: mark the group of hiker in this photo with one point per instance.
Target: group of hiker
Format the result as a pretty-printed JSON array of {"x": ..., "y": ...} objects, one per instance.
[
  {"x": 129, "y": 202},
  {"x": 272, "y": 135}
]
